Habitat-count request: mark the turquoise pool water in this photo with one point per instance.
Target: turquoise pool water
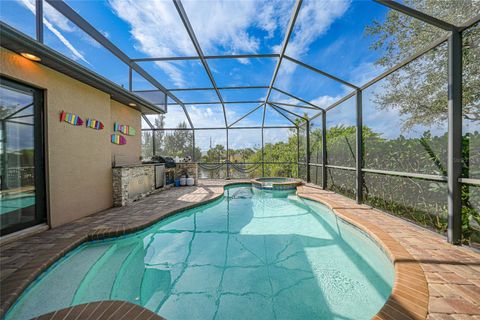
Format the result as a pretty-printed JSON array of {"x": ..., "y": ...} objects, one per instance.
[{"x": 252, "y": 254}]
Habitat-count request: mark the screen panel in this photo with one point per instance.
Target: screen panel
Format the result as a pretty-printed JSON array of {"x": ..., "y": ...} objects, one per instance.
[
  {"x": 316, "y": 140},
  {"x": 245, "y": 153},
  {"x": 19, "y": 15},
  {"x": 212, "y": 145},
  {"x": 173, "y": 143},
  {"x": 280, "y": 145},
  {"x": 341, "y": 133},
  {"x": 341, "y": 181},
  {"x": 65, "y": 37},
  {"x": 405, "y": 117},
  {"x": 454, "y": 12},
  {"x": 288, "y": 170},
  {"x": 420, "y": 201},
  {"x": 147, "y": 144},
  {"x": 471, "y": 103},
  {"x": 470, "y": 210},
  {"x": 316, "y": 175}
]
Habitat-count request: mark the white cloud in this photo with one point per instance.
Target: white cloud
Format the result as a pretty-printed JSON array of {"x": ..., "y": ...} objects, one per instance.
[
  {"x": 365, "y": 72},
  {"x": 53, "y": 18},
  {"x": 207, "y": 116},
  {"x": 220, "y": 26},
  {"x": 223, "y": 26},
  {"x": 314, "y": 20},
  {"x": 325, "y": 101}
]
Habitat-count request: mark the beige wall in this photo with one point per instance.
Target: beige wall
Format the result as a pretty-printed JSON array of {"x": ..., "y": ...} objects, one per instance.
[
  {"x": 129, "y": 153},
  {"x": 79, "y": 159}
]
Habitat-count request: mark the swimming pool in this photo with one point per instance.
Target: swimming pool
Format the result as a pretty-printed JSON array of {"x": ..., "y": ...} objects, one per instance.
[{"x": 251, "y": 254}]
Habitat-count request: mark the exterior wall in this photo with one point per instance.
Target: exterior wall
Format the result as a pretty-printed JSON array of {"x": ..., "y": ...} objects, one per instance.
[
  {"x": 79, "y": 163},
  {"x": 130, "y": 152}
]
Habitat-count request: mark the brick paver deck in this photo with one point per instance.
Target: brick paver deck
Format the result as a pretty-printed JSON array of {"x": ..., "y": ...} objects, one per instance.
[{"x": 431, "y": 275}]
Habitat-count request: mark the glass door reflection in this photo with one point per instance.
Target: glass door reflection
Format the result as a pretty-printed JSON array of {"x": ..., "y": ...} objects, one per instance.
[{"x": 21, "y": 157}]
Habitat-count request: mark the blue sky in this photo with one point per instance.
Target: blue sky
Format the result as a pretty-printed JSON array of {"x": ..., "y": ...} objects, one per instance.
[{"x": 329, "y": 35}]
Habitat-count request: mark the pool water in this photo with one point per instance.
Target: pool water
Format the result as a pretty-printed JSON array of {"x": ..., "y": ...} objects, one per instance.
[{"x": 251, "y": 254}]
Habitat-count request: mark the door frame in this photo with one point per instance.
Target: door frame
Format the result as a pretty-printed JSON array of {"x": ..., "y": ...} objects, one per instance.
[{"x": 39, "y": 155}]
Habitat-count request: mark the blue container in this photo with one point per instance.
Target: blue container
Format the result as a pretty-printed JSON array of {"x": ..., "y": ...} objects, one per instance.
[{"x": 177, "y": 182}]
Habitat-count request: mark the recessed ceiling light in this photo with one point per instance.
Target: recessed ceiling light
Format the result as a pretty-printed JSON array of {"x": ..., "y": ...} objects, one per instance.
[
  {"x": 131, "y": 104},
  {"x": 30, "y": 56}
]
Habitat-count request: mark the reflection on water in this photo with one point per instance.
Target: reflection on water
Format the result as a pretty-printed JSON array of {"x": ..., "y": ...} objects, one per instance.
[{"x": 253, "y": 254}]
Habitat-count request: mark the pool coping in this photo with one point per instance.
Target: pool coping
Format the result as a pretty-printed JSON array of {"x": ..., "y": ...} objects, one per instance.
[{"x": 408, "y": 300}]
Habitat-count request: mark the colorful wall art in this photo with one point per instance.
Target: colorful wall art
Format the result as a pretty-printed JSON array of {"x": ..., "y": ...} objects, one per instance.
[
  {"x": 125, "y": 129},
  {"x": 94, "y": 124},
  {"x": 71, "y": 118},
  {"x": 118, "y": 139}
]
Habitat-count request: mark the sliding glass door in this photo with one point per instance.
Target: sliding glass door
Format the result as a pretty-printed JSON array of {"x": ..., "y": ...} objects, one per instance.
[{"x": 22, "y": 195}]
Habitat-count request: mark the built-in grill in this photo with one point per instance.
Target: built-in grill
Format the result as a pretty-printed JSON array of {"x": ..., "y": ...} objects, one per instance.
[{"x": 168, "y": 161}]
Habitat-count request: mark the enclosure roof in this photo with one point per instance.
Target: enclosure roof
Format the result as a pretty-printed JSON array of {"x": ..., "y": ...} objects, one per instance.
[{"x": 228, "y": 64}]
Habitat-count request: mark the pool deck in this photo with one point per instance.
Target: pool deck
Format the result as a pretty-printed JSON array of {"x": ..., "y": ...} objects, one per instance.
[{"x": 432, "y": 276}]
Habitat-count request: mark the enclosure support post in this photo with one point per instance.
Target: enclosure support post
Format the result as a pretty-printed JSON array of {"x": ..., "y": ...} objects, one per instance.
[
  {"x": 359, "y": 148},
  {"x": 228, "y": 167},
  {"x": 39, "y": 19},
  {"x": 154, "y": 133},
  {"x": 193, "y": 145},
  {"x": 307, "y": 130},
  {"x": 129, "y": 78},
  {"x": 298, "y": 152},
  {"x": 454, "y": 137},
  {"x": 263, "y": 156},
  {"x": 324, "y": 150},
  {"x": 3, "y": 142}
]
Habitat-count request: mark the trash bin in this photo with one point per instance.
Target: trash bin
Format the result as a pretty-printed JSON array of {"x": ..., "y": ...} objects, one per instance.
[{"x": 177, "y": 182}]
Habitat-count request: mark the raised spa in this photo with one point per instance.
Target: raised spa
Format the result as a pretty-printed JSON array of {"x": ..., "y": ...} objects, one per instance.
[
  {"x": 276, "y": 183},
  {"x": 251, "y": 254}
]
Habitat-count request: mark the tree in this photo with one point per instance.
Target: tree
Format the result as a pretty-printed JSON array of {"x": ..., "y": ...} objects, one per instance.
[
  {"x": 179, "y": 143},
  {"x": 216, "y": 154},
  {"x": 419, "y": 89}
]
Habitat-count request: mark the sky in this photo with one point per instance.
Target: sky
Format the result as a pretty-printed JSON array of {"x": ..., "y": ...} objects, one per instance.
[{"x": 328, "y": 35}]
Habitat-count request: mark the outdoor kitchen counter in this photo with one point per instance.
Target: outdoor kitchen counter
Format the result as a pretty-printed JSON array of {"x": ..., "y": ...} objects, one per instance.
[
  {"x": 136, "y": 181},
  {"x": 135, "y": 165},
  {"x": 132, "y": 182}
]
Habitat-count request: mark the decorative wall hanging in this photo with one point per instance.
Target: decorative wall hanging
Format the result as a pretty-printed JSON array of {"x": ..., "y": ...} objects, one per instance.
[
  {"x": 71, "y": 118},
  {"x": 94, "y": 124},
  {"x": 118, "y": 139},
  {"x": 125, "y": 129}
]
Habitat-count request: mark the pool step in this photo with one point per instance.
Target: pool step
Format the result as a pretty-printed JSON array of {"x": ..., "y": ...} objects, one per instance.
[
  {"x": 128, "y": 281},
  {"x": 98, "y": 282},
  {"x": 297, "y": 201},
  {"x": 295, "y": 198}
]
